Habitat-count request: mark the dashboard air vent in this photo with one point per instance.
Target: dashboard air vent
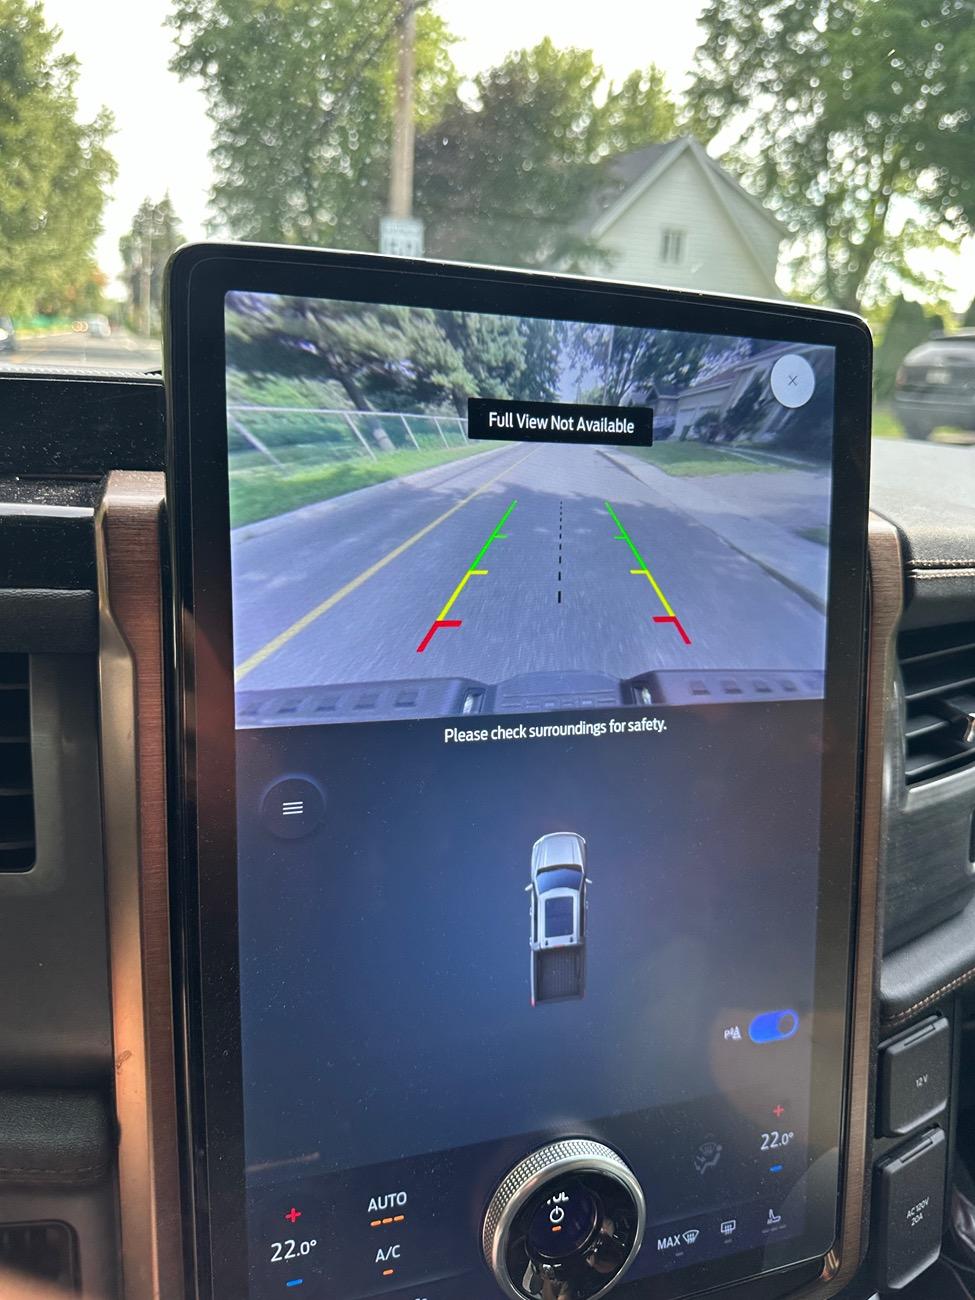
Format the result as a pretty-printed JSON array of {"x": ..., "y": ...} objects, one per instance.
[
  {"x": 16, "y": 785},
  {"x": 45, "y": 1251},
  {"x": 938, "y": 672}
]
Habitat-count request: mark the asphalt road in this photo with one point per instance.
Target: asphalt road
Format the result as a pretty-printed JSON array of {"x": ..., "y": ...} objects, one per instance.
[
  {"x": 123, "y": 351},
  {"x": 557, "y": 594}
]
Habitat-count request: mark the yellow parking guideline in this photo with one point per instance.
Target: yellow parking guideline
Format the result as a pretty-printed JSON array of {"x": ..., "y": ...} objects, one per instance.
[
  {"x": 481, "y": 573},
  {"x": 653, "y": 583},
  {"x": 299, "y": 625}
]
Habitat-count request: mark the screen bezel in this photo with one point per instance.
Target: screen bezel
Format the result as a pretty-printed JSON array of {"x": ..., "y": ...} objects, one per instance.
[{"x": 204, "y": 829}]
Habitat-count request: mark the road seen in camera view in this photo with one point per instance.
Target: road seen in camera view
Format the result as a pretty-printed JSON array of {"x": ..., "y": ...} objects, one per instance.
[{"x": 532, "y": 558}]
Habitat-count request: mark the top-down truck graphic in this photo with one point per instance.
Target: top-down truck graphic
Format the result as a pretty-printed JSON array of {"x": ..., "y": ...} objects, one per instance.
[{"x": 559, "y": 903}]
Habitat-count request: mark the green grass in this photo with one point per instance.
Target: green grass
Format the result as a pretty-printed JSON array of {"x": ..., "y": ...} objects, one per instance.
[
  {"x": 819, "y": 534},
  {"x": 886, "y": 423},
  {"x": 261, "y": 492},
  {"x": 29, "y": 327},
  {"x": 691, "y": 459}
]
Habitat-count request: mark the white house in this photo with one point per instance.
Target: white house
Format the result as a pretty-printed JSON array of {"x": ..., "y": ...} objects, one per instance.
[
  {"x": 671, "y": 215},
  {"x": 718, "y": 391}
]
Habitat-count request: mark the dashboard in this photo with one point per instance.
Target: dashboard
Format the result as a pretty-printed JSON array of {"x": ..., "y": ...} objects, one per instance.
[{"x": 95, "y": 1040}]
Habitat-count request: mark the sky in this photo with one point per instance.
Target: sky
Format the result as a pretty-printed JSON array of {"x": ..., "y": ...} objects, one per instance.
[{"x": 163, "y": 134}]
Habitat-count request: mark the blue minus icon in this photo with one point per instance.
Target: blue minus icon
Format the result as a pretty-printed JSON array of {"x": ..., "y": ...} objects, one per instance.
[{"x": 295, "y": 1281}]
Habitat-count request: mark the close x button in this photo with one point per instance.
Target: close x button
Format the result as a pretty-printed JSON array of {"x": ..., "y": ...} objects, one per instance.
[
  {"x": 910, "y": 1209},
  {"x": 914, "y": 1074}
]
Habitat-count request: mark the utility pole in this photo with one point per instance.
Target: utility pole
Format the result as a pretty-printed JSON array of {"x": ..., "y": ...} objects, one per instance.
[
  {"x": 147, "y": 275},
  {"x": 404, "y": 128},
  {"x": 400, "y": 232}
]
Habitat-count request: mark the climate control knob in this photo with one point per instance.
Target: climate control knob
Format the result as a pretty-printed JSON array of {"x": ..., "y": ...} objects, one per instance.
[{"x": 565, "y": 1224}]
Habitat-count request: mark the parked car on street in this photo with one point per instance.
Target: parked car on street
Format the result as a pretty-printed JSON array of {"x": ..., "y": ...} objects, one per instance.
[
  {"x": 8, "y": 335},
  {"x": 935, "y": 385},
  {"x": 95, "y": 326}
]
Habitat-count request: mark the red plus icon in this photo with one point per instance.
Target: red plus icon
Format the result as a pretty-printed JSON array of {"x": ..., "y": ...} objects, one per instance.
[
  {"x": 293, "y": 1215},
  {"x": 778, "y": 1112}
]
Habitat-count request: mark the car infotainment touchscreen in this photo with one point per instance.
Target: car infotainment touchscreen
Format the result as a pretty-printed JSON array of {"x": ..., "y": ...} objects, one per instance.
[{"x": 520, "y": 649}]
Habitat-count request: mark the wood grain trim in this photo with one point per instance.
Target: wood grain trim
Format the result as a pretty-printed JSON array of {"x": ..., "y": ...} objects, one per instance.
[
  {"x": 886, "y": 605},
  {"x": 128, "y": 531}
]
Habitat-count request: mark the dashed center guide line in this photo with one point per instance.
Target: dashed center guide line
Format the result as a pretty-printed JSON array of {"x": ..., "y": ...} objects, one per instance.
[
  {"x": 644, "y": 571},
  {"x": 473, "y": 572},
  {"x": 561, "y": 521}
]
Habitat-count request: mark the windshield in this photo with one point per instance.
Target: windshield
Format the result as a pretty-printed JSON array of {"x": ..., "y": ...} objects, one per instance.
[
  {"x": 559, "y": 918},
  {"x": 558, "y": 878},
  {"x": 814, "y": 152}
]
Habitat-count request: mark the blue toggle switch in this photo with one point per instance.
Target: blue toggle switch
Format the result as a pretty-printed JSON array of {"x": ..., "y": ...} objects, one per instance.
[{"x": 773, "y": 1027}]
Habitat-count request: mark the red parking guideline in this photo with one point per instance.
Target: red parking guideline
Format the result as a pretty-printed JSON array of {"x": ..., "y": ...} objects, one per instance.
[
  {"x": 435, "y": 627},
  {"x": 672, "y": 618}
]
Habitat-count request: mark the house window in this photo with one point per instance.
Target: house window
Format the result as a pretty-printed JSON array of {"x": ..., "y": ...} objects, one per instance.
[{"x": 672, "y": 245}]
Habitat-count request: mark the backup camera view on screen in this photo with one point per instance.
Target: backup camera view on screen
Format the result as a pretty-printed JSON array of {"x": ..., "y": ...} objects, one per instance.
[
  {"x": 390, "y": 565},
  {"x": 529, "y": 636}
]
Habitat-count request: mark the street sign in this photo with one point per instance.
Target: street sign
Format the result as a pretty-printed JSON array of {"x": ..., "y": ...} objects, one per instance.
[{"x": 401, "y": 236}]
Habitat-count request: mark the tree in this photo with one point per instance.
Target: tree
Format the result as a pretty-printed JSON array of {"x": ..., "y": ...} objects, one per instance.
[
  {"x": 969, "y": 318},
  {"x": 855, "y": 124},
  {"x": 55, "y": 170},
  {"x": 908, "y": 326},
  {"x": 543, "y": 359},
  {"x": 89, "y": 297},
  {"x": 618, "y": 365},
  {"x": 386, "y": 358},
  {"x": 300, "y": 94},
  {"x": 707, "y": 426},
  {"x": 744, "y": 415},
  {"x": 154, "y": 234},
  {"x": 637, "y": 113},
  {"x": 504, "y": 178}
]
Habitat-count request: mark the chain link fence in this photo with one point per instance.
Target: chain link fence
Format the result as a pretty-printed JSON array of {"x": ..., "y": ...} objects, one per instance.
[{"x": 293, "y": 438}]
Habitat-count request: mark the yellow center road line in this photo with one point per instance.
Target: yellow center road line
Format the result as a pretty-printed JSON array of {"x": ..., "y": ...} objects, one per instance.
[
  {"x": 653, "y": 583},
  {"x": 481, "y": 573},
  {"x": 289, "y": 633}
]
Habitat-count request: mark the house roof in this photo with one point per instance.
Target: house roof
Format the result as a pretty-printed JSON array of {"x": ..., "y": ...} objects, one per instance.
[
  {"x": 721, "y": 378},
  {"x": 629, "y": 175},
  {"x": 663, "y": 391}
]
